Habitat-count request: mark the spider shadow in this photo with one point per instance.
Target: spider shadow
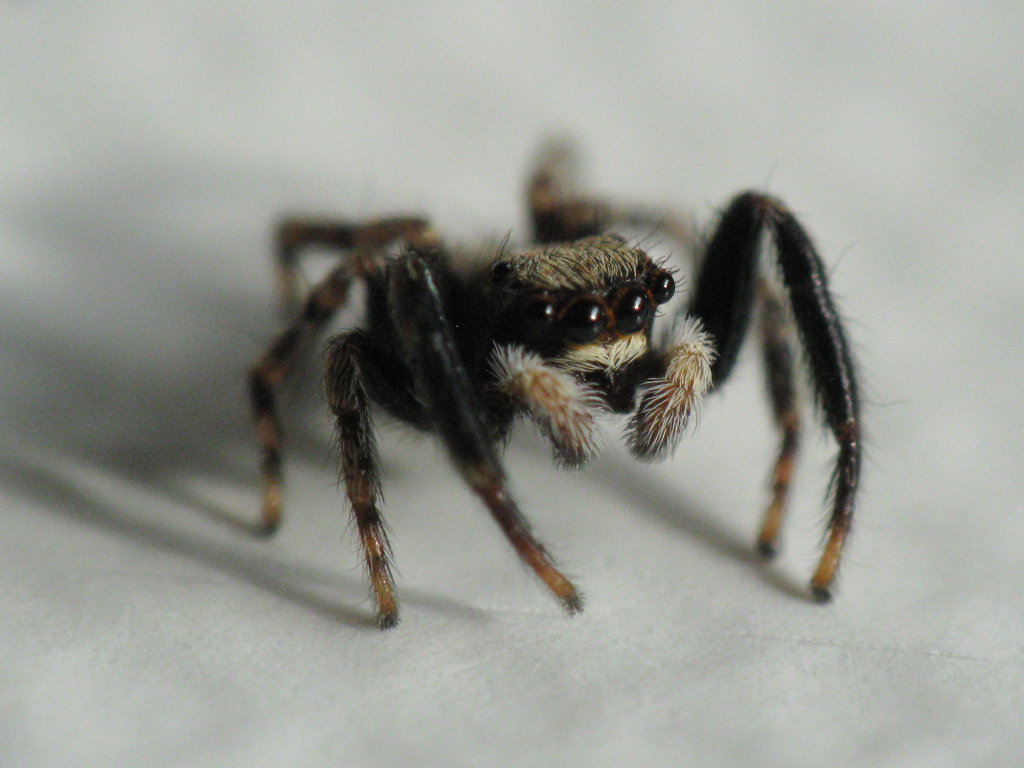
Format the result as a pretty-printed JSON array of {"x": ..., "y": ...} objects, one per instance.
[
  {"x": 287, "y": 579},
  {"x": 190, "y": 442},
  {"x": 686, "y": 516},
  {"x": 60, "y": 494},
  {"x": 152, "y": 392}
]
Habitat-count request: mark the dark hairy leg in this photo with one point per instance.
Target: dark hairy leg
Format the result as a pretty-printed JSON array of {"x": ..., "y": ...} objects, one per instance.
[
  {"x": 317, "y": 309},
  {"x": 357, "y": 451},
  {"x": 267, "y": 372},
  {"x": 455, "y": 407}
]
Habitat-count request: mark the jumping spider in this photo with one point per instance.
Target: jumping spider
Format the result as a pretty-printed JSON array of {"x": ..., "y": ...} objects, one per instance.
[{"x": 559, "y": 332}]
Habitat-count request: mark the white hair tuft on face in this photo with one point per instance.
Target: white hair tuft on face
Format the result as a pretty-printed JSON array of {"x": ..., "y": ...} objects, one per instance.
[{"x": 610, "y": 356}]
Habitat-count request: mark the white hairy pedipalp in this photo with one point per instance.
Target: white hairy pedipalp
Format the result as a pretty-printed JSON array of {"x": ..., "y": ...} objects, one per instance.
[
  {"x": 672, "y": 399},
  {"x": 562, "y": 407}
]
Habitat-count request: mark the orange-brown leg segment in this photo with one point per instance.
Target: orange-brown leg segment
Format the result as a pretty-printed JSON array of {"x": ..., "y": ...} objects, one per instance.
[
  {"x": 487, "y": 480},
  {"x": 358, "y": 454},
  {"x": 779, "y": 364},
  {"x": 844, "y": 488}
]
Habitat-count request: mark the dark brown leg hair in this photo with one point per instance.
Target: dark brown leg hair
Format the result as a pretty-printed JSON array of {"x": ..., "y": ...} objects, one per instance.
[
  {"x": 778, "y": 358},
  {"x": 358, "y": 454},
  {"x": 444, "y": 386},
  {"x": 320, "y": 305}
]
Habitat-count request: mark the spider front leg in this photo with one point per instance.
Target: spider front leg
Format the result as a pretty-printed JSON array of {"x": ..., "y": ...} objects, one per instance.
[
  {"x": 724, "y": 299},
  {"x": 455, "y": 407},
  {"x": 563, "y": 408}
]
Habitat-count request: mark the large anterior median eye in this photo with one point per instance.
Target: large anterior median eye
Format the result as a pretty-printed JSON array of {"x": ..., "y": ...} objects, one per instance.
[
  {"x": 632, "y": 311},
  {"x": 583, "y": 320}
]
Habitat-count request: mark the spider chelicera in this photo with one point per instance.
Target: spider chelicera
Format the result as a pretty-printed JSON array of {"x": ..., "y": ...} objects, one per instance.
[{"x": 559, "y": 332}]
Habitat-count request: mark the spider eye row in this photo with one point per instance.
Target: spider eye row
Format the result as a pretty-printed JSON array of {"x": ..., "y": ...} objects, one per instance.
[{"x": 585, "y": 318}]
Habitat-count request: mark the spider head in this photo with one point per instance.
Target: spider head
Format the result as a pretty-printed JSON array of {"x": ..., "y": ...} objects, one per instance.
[{"x": 587, "y": 305}]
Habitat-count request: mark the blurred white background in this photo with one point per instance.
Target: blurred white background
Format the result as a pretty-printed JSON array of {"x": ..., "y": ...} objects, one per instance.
[{"x": 145, "y": 154}]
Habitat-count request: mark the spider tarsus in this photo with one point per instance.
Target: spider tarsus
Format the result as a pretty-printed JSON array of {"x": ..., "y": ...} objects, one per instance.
[
  {"x": 767, "y": 549},
  {"x": 821, "y": 595},
  {"x": 573, "y": 603},
  {"x": 570, "y": 461},
  {"x": 264, "y": 530},
  {"x": 387, "y": 620}
]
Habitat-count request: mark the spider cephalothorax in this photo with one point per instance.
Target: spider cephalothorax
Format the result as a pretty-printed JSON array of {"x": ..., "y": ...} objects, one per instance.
[
  {"x": 592, "y": 294},
  {"x": 558, "y": 333}
]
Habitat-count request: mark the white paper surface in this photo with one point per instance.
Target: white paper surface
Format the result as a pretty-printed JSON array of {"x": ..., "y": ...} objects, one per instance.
[{"x": 146, "y": 154}]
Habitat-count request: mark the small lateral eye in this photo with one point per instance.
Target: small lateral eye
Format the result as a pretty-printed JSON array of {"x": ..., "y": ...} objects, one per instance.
[
  {"x": 583, "y": 320},
  {"x": 632, "y": 311},
  {"x": 500, "y": 271},
  {"x": 663, "y": 287}
]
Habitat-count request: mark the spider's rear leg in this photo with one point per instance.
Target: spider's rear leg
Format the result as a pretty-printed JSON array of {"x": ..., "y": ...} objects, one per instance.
[
  {"x": 293, "y": 235},
  {"x": 317, "y": 309},
  {"x": 555, "y": 210},
  {"x": 559, "y": 214},
  {"x": 358, "y": 454},
  {"x": 455, "y": 407},
  {"x": 723, "y": 300},
  {"x": 267, "y": 372}
]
